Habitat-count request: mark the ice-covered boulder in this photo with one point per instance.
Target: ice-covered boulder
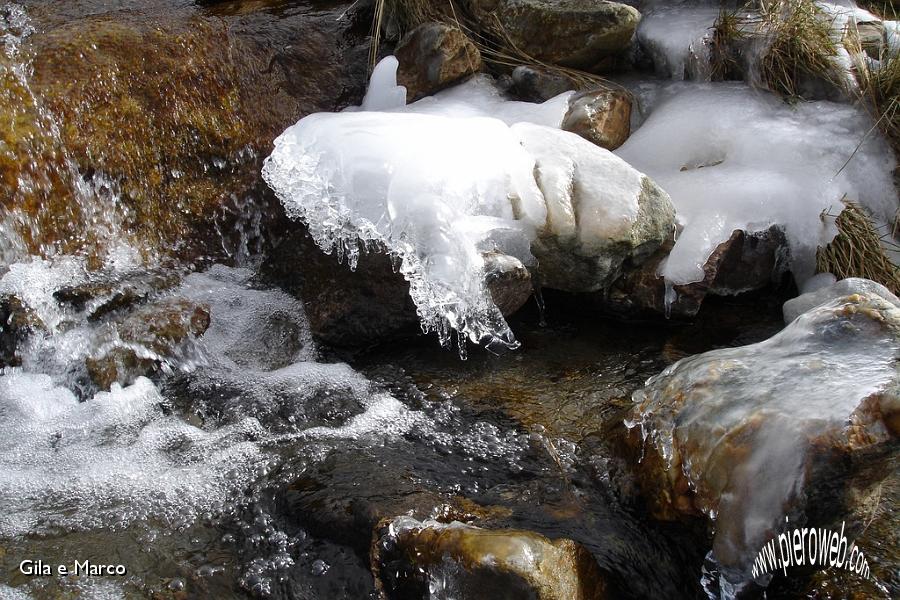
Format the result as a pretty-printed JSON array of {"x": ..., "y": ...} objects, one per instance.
[
  {"x": 795, "y": 307},
  {"x": 439, "y": 183},
  {"x": 744, "y": 435},
  {"x": 733, "y": 158},
  {"x": 573, "y": 33}
]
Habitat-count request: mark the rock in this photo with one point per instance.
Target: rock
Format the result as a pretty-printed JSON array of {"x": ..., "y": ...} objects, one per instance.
[
  {"x": 743, "y": 263},
  {"x": 601, "y": 212},
  {"x": 745, "y": 435},
  {"x": 346, "y": 309},
  {"x": 150, "y": 125},
  {"x": 104, "y": 293},
  {"x": 534, "y": 84},
  {"x": 868, "y": 35},
  {"x": 146, "y": 338},
  {"x": 508, "y": 281},
  {"x": 484, "y": 563},
  {"x": 602, "y": 117},
  {"x": 17, "y": 322},
  {"x": 795, "y": 307},
  {"x": 434, "y": 56},
  {"x": 572, "y": 33},
  {"x": 353, "y": 309}
]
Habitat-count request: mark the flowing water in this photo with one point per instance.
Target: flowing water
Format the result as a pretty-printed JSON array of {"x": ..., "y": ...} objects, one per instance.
[{"x": 251, "y": 460}]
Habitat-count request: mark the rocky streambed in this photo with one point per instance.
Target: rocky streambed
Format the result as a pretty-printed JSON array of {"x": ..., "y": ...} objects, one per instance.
[{"x": 514, "y": 313}]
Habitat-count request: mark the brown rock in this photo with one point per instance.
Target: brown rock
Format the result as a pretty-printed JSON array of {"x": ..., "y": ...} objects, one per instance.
[
  {"x": 508, "y": 281},
  {"x": 486, "y": 563},
  {"x": 534, "y": 84},
  {"x": 602, "y": 117},
  {"x": 572, "y": 33},
  {"x": 160, "y": 330},
  {"x": 434, "y": 56}
]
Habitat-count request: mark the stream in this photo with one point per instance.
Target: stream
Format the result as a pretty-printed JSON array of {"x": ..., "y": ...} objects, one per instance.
[{"x": 176, "y": 409}]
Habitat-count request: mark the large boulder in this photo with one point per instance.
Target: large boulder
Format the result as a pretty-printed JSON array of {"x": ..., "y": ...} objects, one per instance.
[
  {"x": 745, "y": 435},
  {"x": 149, "y": 125},
  {"x": 601, "y": 212},
  {"x": 434, "y": 56},
  {"x": 471, "y": 562},
  {"x": 572, "y": 33}
]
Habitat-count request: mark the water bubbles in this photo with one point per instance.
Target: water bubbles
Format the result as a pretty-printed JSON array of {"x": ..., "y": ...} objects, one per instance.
[{"x": 319, "y": 567}]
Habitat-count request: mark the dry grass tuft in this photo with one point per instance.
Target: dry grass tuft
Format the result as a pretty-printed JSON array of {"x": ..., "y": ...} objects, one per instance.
[
  {"x": 857, "y": 250},
  {"x": 801, "y": 46}
]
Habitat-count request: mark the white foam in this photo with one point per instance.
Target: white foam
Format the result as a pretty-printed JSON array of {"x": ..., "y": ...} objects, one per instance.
[{"x": 111, "y": 460}]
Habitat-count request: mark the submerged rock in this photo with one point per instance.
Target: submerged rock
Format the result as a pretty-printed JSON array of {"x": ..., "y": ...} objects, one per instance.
[
  {"x": 146, "y": 339},
  {"x": 465, "y": 562},
  {"x": 572, "y": 33},
  {"x": 434, "y": 56},
  {"x": 745, "y": 435},
  {"x": 795, "y": 307},
  {"x": 602, "y": 117}
]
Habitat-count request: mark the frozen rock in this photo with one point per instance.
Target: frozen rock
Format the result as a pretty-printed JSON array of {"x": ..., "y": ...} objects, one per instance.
[
  {"x": 442, "y": 181},
  {"x": 744, "y": 435},
  {"x": 600, "y": 116},
  {"x": 573, "y": 33},
  {"x": 434, "y": 56},
  {"x": 508, "y": 281},
  {"x": 678, "y": 38},
  {"x": 464, "y": 561},
  {"x": 744, "y": 262},
  {"x": 732, "y": 158},
  {"x": 795, "y": 307}
]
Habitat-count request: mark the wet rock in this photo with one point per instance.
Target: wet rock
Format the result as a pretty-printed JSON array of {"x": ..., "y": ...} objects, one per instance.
[
  {"x": 746, "y": 435},
  {"x": 102, "y": 294},
  {"x": 795, "y": 307},
  {"x": 572, "y": 33},
  {"x": 17, "y": 322},
  {"x": 353, "y": 309},
  {"x": 743, "y": 263},
  {"x": 508, "y": 281},
  {"x": 146, "y": 339},
  {"x": 150, "y": 125},
  {"x": 434, "y": 56},
  {"x": 345, "y": 308},
  {"x": 534, "y": 84},
  {"x": 602, "y": 117},
  {"x": 470, "y": 562}
]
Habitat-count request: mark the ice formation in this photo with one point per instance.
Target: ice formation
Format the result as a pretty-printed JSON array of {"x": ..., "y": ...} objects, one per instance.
[
  {"x": 441, "y": 181},
  {"x": 678, "y": 40},
  {"x": 743, "y": 425},
  {"x": 734, "y": 158}
]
